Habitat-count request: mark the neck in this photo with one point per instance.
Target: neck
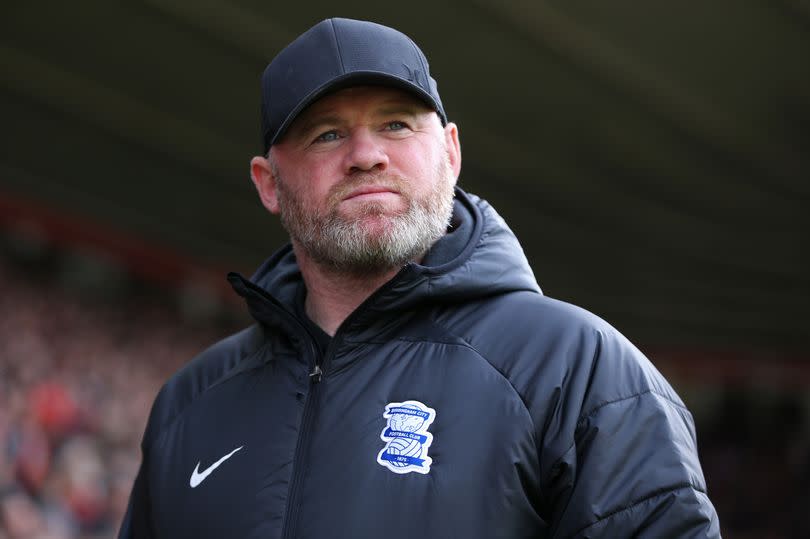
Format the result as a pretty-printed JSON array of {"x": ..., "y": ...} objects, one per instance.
[{"x": 331, "y": 295}]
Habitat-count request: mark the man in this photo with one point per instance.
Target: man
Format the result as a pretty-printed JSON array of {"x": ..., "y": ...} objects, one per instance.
[{"x": 405, "y": 376}]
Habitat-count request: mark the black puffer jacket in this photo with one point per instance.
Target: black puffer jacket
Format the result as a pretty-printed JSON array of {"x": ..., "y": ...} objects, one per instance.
[{"x": 456, "y": 402}]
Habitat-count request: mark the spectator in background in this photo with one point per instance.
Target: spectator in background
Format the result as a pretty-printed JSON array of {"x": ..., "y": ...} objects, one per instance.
[{"x": 75, "y": 385}]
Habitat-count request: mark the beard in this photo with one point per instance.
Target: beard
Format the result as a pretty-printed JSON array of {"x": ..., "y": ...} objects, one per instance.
[{"x": 374, "y": 239}]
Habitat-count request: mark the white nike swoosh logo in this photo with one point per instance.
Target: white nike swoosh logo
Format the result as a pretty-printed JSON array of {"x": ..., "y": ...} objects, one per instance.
[{"x": 197, "y": 477}]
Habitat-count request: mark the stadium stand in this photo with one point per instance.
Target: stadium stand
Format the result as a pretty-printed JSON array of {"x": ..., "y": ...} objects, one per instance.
[{"x": 77, "y": 378}]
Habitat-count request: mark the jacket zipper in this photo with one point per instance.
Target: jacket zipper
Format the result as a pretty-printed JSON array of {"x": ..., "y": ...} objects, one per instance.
[
  {"x": 301, "y": 449},
  {"x": 315, "y": 375},
  {"x": 290, "y": 526}
]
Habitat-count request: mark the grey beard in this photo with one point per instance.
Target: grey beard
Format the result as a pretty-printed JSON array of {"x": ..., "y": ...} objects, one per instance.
[{"x": 346, "y": 246}]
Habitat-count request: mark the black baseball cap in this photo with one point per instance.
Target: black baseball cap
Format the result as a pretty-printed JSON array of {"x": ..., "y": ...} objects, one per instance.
[{"x": 338, "y": 53}]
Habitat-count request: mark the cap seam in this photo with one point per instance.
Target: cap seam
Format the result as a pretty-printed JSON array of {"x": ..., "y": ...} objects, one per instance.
[
  {"x": 337, "y": 45},
  {"x": 419, "y": 57}
]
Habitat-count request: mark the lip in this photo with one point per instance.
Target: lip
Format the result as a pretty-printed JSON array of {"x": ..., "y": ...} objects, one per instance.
[{"x": 370, "y": 191}]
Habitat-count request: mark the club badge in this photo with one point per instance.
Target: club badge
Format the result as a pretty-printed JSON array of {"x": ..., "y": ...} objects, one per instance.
[{"x": 406, "y": 437}]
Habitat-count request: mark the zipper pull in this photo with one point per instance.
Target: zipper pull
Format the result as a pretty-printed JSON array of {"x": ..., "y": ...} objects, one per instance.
[{"x": 316, "y": 374}]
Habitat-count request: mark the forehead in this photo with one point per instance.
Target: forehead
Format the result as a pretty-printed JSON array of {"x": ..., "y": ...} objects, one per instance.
[{"x": 362, "y": 99}]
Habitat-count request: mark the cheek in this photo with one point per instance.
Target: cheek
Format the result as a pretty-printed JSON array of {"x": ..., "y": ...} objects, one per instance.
[
  {"x": 421, "y": 164},
  {"x": 312, "y": 183},
  {"x": 325, "y": 171}
]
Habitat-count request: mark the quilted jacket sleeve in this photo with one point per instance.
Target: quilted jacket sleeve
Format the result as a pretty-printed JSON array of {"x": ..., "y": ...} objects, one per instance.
[
  {"x": 136, "y": 524},
  {"x": 629, "y": 467}
]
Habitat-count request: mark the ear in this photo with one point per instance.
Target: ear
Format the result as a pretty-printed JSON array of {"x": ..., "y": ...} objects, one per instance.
[
  {"x": 453, "y": 147},
  {"x": 265, "y": 181}
]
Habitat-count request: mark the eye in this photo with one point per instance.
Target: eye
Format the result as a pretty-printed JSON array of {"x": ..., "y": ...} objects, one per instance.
[
  {"x": 396, "y": 125},
  {"x": 328, "y": 136}
]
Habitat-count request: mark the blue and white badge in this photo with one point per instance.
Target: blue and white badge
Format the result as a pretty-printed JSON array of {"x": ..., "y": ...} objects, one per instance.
[{"x": 406, "y": 437}]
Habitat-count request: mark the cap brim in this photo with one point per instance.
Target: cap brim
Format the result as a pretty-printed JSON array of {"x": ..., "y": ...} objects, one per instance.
[{"x": 358, "y": 78}]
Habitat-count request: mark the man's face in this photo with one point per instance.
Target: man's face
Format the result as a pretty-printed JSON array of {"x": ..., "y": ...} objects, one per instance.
[{"x": 364, "y": 179}]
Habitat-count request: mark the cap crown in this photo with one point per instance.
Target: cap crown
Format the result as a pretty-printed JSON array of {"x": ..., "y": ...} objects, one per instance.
[{"x": 334, "y": 54}]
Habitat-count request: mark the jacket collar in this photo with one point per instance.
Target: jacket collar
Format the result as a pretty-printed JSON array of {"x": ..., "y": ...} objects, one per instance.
[{"x": 478, "y": 257}]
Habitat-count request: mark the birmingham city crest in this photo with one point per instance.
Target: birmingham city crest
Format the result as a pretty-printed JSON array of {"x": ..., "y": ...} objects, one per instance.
[{"x": 406, "y": 437}]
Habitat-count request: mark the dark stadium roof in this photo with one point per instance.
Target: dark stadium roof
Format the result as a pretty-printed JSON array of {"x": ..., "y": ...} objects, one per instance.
[{"x": 652, "y": 157}]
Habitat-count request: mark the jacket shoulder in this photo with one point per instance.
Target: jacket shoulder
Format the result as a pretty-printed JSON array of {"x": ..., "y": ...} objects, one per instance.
[
  {"x": 604, "y": 418},
  {"x": 535, "y": 339}
]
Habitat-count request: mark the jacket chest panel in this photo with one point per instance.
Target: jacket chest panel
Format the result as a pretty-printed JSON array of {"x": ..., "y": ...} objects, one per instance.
[
  {"x": 438, "y": 404},
  {"x": 225, "y": 464}
]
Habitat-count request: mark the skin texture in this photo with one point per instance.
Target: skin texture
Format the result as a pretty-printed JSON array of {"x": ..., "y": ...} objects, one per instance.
[{"x": 362, "y": 157}]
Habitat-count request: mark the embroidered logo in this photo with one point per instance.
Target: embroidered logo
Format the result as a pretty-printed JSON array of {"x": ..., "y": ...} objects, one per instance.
[
  {"x": 197, "y": 477},
  {"x": 406, "y": 437}
]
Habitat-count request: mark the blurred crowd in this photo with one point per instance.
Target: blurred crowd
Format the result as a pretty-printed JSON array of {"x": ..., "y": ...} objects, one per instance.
[
  {"x": 78, "y": 376},
  {"x": 76, "y": 385},
  {"x": 755, "y": 451}
]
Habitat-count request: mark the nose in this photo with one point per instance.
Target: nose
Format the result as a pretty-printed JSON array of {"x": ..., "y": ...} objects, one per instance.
[{"x": 365, "y": 153}]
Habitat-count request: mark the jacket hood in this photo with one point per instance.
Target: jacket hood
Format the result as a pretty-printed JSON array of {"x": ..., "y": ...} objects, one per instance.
[{"x": 478, "y": 257}]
